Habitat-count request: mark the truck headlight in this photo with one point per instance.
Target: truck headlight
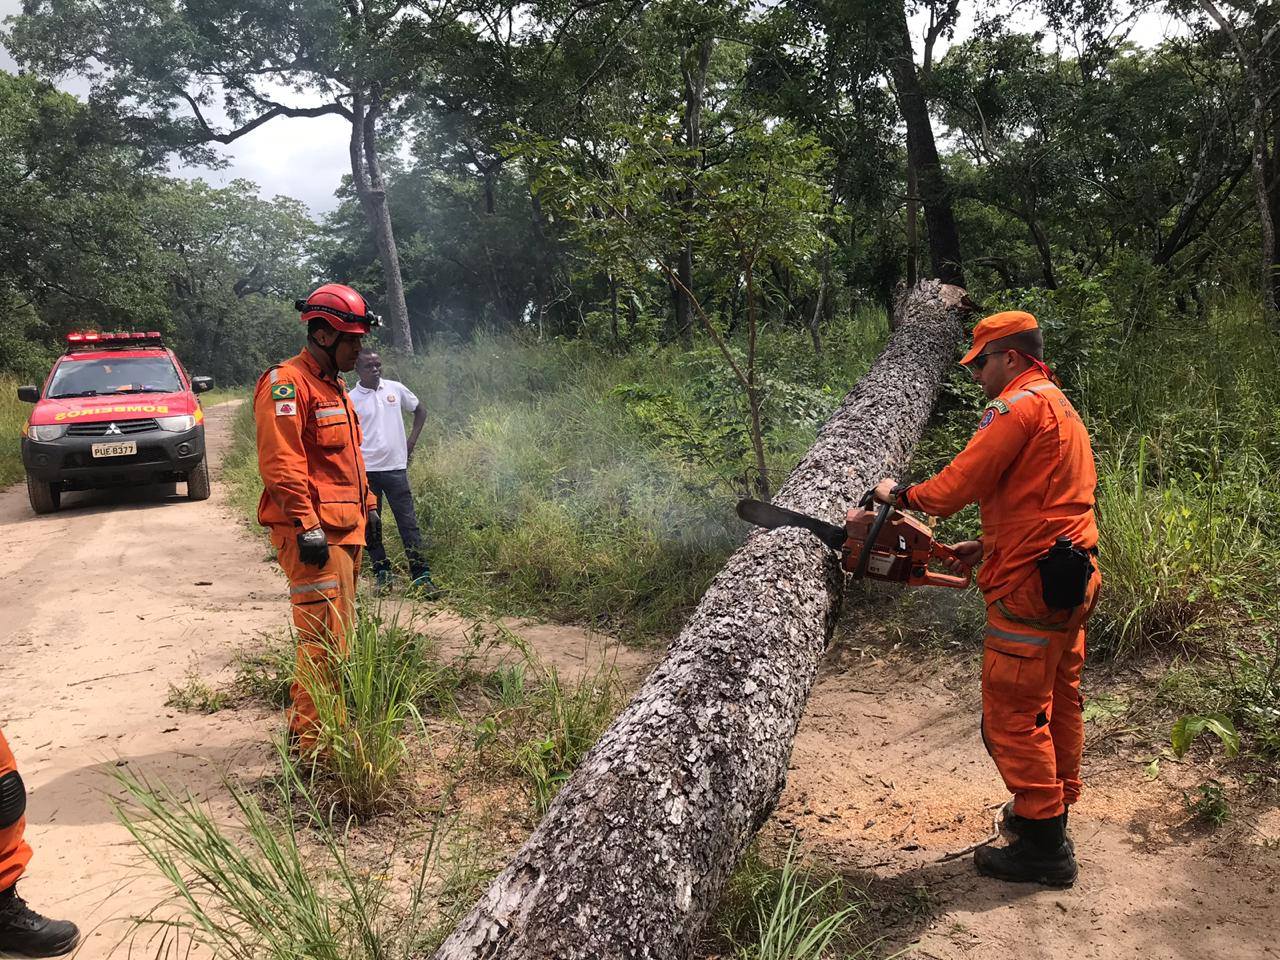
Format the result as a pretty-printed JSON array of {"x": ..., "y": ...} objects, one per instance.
[
  {"x": 46, "y": 431},
  {"x": 176, "y": 424}
]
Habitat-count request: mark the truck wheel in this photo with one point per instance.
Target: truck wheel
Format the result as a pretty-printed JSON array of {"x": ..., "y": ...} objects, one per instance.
[
  {"x": 45, "y": 495},
  {"x": 198, "y": 481}
]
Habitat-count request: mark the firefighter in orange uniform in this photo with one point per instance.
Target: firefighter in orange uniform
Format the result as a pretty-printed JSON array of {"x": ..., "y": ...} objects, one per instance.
[
  {"x": 315, "y": 498},
  {"x": 1030, "y": 468},
  {"x": 23, "y": 932}
]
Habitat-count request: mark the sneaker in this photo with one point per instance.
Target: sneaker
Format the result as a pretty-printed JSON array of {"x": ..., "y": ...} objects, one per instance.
[
  {"x": 425, "y": 588},
  {"x": 27, "y": 934},
  {"x": 1040, "y": 854}
]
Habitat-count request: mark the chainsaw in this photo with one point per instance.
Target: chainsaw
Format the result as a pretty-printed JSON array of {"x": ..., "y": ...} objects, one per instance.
[{"x": 883, "y": 543}]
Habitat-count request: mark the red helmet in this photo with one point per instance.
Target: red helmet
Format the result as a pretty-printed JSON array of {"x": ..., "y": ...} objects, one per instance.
[{"x": 339, "y": 306}]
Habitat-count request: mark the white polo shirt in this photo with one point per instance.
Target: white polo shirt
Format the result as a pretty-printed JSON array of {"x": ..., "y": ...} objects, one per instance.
[{"x": 381, "y": 413}]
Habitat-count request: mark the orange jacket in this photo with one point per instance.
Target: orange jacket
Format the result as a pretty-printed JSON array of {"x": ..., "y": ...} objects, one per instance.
[
  {"x": 309, "y": 454},
  {"x": 1030, "y": 467}
]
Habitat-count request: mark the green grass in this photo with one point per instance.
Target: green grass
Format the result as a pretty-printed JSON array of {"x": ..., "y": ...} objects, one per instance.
[
  {"x": 368, "y": 701},
  {"x": 195, "y": 695},
  {"x": 787, "y": 911},
  {"x": 240, "y": 466},
  {"x": 559, "y": 480},
  {"x": 13, "y": 415},
  {"x": 260, "y": 887},
  {"x": 219, "y": 395}
]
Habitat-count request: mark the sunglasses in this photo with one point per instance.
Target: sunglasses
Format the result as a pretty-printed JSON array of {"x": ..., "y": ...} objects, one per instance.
[{"x": 980, "y": 360}]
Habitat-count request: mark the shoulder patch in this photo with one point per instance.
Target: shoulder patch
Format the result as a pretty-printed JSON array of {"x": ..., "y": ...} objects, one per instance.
[
  {"x": 284, "y": 391},
  {"x": 987, "y": 418},
  {"x": 286, "y": 408},
  {"x": 999, "y": 405}
]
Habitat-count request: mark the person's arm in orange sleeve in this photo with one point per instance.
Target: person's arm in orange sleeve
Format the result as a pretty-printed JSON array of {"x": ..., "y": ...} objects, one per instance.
[
  {"x": 976, "y": 469},
  {"x": 282, "y": 459}
]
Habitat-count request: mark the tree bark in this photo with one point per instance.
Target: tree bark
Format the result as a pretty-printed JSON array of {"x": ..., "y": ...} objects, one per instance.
[
  {"x": 634, "y": 853},
  {"x": 913, "y": 228},
  {"x": 366, "y": 176},
  {"x": 1041, "y": 241},
  {"x": 922, "y": 157}
]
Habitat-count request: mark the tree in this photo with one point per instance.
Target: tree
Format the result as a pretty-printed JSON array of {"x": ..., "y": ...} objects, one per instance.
[
  {"x": 232, "y": 264},
  {"x": 758, "y": 200},
  {"x": 1146, "y": 154},
  {"x": 922, "y": 151},
  {"x": 171, "y": 67},
  {"x": 635, "y": 850},
  {"x": 1256, "y": 44},
  {"x": 73, "y": 247}
]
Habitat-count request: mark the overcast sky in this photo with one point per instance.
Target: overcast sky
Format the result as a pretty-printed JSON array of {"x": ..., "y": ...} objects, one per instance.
[{"x": 306, "y": 158}]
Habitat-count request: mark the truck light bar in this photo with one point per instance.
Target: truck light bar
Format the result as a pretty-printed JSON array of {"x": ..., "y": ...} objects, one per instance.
[{"x": 91, "y": 338}]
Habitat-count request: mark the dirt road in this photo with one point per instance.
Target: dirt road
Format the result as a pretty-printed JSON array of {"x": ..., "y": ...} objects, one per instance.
[
  {"x": 117, "y": 596},
  {"x": 108, "y": 602}
]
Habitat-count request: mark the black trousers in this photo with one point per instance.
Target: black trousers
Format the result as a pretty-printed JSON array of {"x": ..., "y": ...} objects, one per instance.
[{"x": 394, "y": 484}]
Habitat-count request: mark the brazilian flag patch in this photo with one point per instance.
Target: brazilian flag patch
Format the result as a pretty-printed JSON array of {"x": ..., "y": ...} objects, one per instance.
[{"x": 284, "y": 391}]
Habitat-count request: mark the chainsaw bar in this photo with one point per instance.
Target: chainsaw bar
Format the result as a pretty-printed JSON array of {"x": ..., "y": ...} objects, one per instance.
[{"x": 770, "y": 517}]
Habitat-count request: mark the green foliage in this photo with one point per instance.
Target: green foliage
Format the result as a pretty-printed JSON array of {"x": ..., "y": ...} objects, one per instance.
[
  {"x": 784, "y": 912},
  {"x": 91, "y": 238},
  {"x": 1239, "y": 686},
  {"x": 196, "y": 696},
  {"x": 1186, "y": 729},
  {"x": 1209, "y": 803},
  {"x": 264, "y": 672},
  {"x": 13, "y": 416},
  {"x": 560, "y": 480},
  {"x": 543, "y": 725}
]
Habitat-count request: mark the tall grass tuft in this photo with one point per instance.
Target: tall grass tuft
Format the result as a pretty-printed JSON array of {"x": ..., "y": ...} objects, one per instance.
[
  {"x": 248, "y": 891},
  {"x": 367, "y": 702},
  {"x": 784, "y": 913}
]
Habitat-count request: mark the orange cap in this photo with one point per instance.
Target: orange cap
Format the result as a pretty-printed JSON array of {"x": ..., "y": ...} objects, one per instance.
[{"x": 997, "y": 327}]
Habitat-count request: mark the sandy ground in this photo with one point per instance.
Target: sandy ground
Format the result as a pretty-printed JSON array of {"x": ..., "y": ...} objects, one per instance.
[
  {"x": 119, "y": 595},
  {"x": 108, "y": 602},
  {"x": 889, "y": 774}
]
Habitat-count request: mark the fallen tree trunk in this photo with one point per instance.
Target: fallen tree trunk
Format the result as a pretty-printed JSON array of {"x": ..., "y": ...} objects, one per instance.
[{"x": 634, "y": 852}]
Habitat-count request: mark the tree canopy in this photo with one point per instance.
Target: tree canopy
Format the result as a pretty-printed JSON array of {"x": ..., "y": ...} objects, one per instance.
[{"x": 1071, "y": 162}]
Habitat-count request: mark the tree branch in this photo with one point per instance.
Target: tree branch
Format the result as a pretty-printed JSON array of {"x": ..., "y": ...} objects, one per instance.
[{"x": 209, "y": 135}]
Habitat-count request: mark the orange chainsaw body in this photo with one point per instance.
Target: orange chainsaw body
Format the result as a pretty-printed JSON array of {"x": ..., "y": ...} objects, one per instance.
[{"x": 901, "y": 553}]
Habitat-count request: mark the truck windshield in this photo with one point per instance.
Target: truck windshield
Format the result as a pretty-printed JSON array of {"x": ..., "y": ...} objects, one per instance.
[{"x": 109, "y": 375}]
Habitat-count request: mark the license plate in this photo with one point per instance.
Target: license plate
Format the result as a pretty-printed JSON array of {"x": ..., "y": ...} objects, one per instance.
[{"x": 125, "y": 449}]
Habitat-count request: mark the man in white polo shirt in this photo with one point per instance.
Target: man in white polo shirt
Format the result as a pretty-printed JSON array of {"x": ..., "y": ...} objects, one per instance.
[{"x": 382, "y": 405}]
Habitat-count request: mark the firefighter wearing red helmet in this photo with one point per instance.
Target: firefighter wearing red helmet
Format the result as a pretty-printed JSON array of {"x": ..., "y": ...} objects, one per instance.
[{"x": 315, "y": 498}]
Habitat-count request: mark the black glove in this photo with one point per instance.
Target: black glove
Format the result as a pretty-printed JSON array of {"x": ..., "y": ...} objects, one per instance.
[
  {"x": 373, "y": 527},
  {"x": 313, "y": 547}
]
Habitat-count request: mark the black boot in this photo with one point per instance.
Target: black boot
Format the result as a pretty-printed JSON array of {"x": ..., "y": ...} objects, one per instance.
[
  {"x": 26, "y": 933},
  {"x": 1011, "y": 824},
  {"x": 1040, "y": 854}
]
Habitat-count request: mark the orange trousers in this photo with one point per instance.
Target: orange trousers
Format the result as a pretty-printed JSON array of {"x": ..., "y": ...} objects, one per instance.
[
  {"x": 323, "y": 600},
  {"x": 15, "y": 853},
  {"x": 1032, "y": 711}
]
